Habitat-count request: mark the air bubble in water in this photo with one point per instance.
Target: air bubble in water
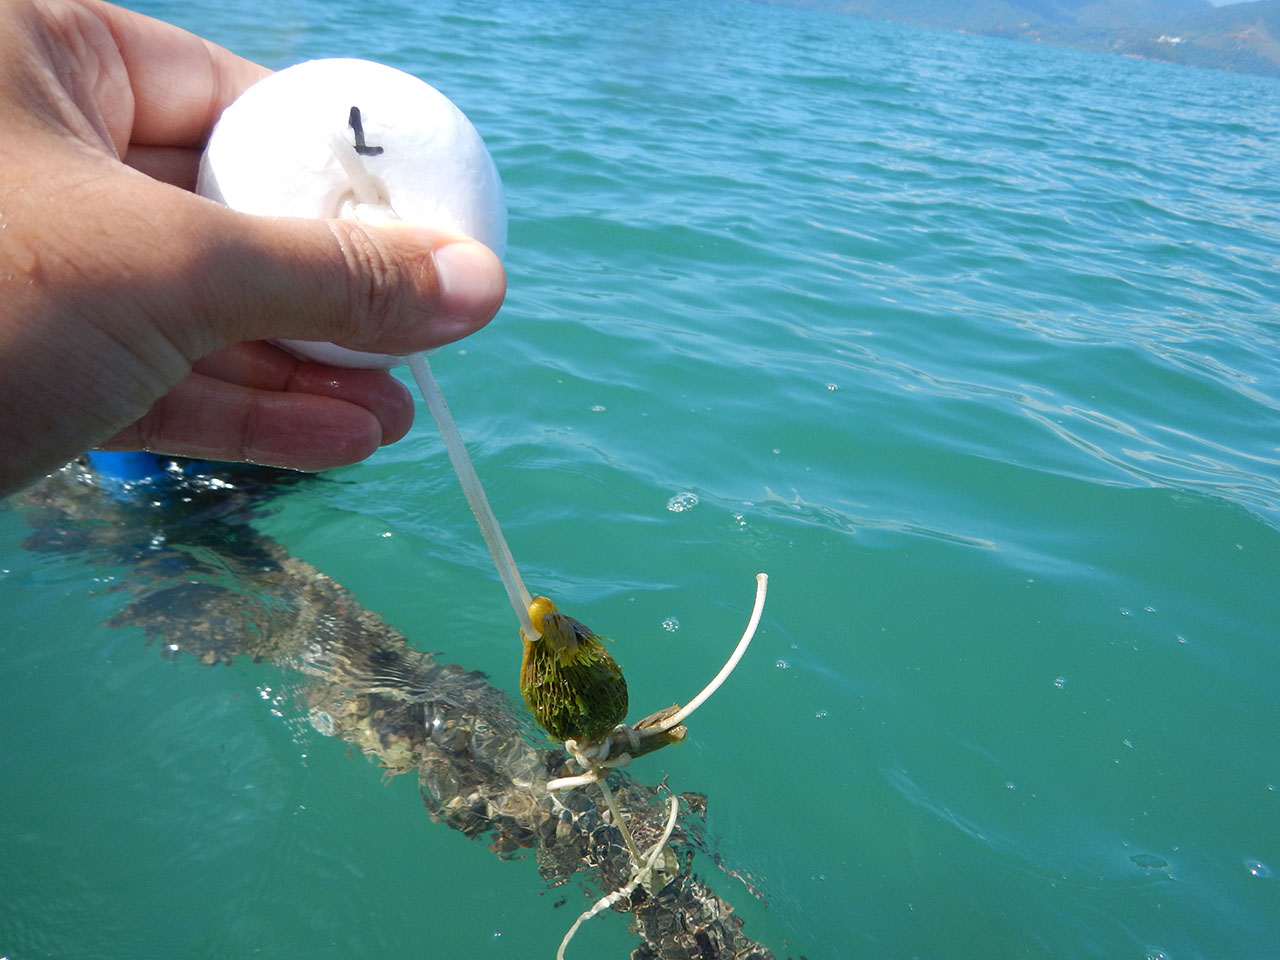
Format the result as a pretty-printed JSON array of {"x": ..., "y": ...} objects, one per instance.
[
  {"x": 671, "y": 624},
  {"x": 682, "y": 502},
  {"x": 1258, "y": 869}
]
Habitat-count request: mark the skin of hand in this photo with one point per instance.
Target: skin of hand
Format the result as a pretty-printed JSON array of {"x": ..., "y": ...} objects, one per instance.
[{"x": 135, "y": 314}]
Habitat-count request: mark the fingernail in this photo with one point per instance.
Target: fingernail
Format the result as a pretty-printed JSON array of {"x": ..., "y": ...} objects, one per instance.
[{"x": 472, "y": 283}]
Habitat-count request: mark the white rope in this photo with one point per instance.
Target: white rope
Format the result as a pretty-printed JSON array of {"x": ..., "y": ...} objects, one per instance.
[
  {"x": 762, "y": 586},
  {"x": 474, "y": 492},
  {"x": 642, "y": 873},
  {"x": 370, "y": 205}
]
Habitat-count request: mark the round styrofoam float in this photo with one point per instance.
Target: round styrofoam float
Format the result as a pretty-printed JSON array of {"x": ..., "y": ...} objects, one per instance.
[{"x": 354, "y": 138}]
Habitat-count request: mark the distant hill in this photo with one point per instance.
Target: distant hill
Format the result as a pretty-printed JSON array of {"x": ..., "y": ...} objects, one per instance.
[{"x": 1244, "y": 37}]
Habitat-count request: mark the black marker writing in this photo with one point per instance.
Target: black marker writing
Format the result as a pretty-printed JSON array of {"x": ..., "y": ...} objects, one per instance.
[{"x": 357, "y": 127}]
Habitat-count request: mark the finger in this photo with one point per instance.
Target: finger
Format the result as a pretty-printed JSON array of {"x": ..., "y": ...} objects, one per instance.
[
  {"x": 393, "y": 288},
  {"x": 203, "y": 277},
  {"x": 262, "y": 366},
  {"x": 211, "y": 419},
  {"x": 181, "y": 83}
]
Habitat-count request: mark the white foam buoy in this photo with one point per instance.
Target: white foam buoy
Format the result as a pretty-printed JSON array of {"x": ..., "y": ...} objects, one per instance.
[{"x": 354, "y": 138}]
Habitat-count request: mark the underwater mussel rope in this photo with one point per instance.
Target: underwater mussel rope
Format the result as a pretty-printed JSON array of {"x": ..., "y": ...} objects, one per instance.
[
  {"x": 215, "y": 588},
  {"x": 642, "y": 874}
]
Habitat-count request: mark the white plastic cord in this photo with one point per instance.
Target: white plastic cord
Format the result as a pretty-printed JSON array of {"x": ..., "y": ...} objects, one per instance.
[
  {"x": 372, "y": 206},
  {"x": 474, "y": 492},
  {"x": 642, "y": 872},
  {"x": 595, "y": 757},
  {"x": 762, "y": 585},
  {"x": 363, "y": 185}
]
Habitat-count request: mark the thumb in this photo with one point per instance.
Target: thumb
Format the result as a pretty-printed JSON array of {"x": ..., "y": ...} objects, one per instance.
[{"x": 391, "y": 288}]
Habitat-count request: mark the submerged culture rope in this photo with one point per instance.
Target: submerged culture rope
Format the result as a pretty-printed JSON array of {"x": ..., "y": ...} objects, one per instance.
[
  {"x": 218, "y": 589},
  {"x": 641, "y": 875}
]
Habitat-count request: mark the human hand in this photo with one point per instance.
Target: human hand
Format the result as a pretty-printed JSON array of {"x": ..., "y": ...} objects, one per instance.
[{"x": 134, "y": 314}]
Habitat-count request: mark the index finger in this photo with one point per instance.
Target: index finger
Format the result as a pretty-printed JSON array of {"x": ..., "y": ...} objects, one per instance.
[{"x": 181, "y": 83}]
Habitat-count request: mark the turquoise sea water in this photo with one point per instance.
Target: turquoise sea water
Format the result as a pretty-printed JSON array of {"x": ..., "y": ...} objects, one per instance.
[{"x": 971, "y": 345}]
